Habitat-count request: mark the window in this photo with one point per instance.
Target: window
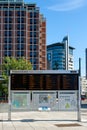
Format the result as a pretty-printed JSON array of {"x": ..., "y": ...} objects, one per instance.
[
  {"x": 6, "y": 33},
  {"x": 10, "y": 20},
  {"x": 10, "y": 26},
  {"x": 10, "y": 40},
  {"x": 35, "y": 34},
  {"x": 35, "y": 14},
  {"x": 22, "y": 20},
  {"x": 6, "y": 13},
  {"x": 10, "y": 13},
  {"x": 31, "y": 28},
  {"x": 34, "y": 27},
  {"x": 22, "y": 40},
  {"x": 6, "y": 20},
  {"x": 18, "y": 13},
  {"x": 30, "y": 47},
  {"x": 18, "y": 26},
  {"x": 22, "y": 53},
  {"x": 35, "y": 54},
  {"x": 6, "y": 26},
  {"x": 31, "y": 21},
  {"x": 22, "y": 33},
  {"x": 22, "y": 26},
  {"x": 35, "y": 47},
  {"x": 35, "y": 21},
  {"x": 18, "y": 33},
  {"x": 30, "y": 40},
  {"x": 22, "y": 13},
  {"x": 18, "y": 20},
  {"x": 18, "y": 40},
  {"x": 7, "y": 53},
  {"x": 49, "y": 56},
  {"x": 20, "y": 46},
  {"x": 10, "y": 33},
  {"x": 30, "y": 54},
  {"x": 31, "y": 34},
  {"x": 31, "y": 14}
]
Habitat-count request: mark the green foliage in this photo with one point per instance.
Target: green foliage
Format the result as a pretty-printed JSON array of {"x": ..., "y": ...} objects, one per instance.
[{"x": 11, "y": 63}]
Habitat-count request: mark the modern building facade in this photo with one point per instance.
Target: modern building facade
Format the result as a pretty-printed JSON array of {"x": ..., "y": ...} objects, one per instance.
[
  {"x": 83, "y": 85},
  {"x": 60, "y": 55},
  {"x": 22, "y": 32}
]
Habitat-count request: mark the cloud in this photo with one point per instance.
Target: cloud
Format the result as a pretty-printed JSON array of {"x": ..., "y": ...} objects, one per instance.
[{"x": 68, "y": 5}]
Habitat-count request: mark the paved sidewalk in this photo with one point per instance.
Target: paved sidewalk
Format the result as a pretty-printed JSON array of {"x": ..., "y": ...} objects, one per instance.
[{"x": 42, "y": 121}]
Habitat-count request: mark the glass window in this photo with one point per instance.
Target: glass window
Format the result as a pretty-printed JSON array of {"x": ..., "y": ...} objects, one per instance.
[
  {"x": 31, "y": 14},
  {"x": 30, "y": 54},
  {"x": 31, "y": 34},
  {"x": 20, "y": 46},
  {"x": 22, "y": 13},
  {"x": 18, "y": 20},
  {"x": 22, "y": 20},
  {"x": 31, "y": 60},
  {"x": 18, "y": 53},
  {"x": 34, "y": 27},
  {"x": 49, "y": 56},
  {"x": 22, "y": 53},
  {"x": 30, "y": 40},
  {"x": 31, "y": 28},
  {"x": 35, "y": 54},
  {"x": 6, "y": 13},
  {"x": 35, "y": 47},
  {"x": 6, "y": 19},
  {"x": 35, "y": 21},
  {"x": 10, "y": 40},
  {"x": 18, "y": 26},
  {"x": 30, "y": 47},
  {"x": 22, "y": 33},
  {"x": 22, "y": 40},
  {"x": 18, "y": 33},
  {"x": 31, "y": 21},
  {"x": 10, "y": 20},
  {"x": 6, "y": 26},
  {"x": 35, "y": 34},
  {"x": 18, "y": 40},
  {"x": 70, "y": 51},
  {"x": 10, "y": 13},
  {"x": 6, "y": 33},
  {"x": 35, "y": 14},
  {"x": 22, "y": 26},
  {"x": 10, "y": 33},
  {"x": 10, "y": 26},
  {"x": 18, "y": 13},
  {"x": 9, "y": 53}
]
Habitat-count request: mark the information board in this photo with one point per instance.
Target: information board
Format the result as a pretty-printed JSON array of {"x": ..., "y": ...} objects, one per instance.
[
  {"x": 67, "y": 100},
  {"x": 44, "y": 81}
]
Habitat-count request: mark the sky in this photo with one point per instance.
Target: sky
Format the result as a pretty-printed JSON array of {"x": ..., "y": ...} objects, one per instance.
[{"x": 66, "y": 17}]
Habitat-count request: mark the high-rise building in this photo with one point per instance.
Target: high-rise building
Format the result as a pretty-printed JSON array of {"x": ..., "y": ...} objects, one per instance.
[
  {"x": 60, "y": 55},
  {"x": 22, "y": 32}
]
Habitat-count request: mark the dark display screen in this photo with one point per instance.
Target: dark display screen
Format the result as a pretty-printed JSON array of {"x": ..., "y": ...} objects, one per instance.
[{"x": 44, "y": 81}]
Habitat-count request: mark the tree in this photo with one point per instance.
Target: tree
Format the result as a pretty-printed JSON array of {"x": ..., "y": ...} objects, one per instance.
[{"x": 11, "y": 63}]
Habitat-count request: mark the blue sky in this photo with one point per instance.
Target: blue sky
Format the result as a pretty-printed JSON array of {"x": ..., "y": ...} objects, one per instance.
[{"x": 66, "y": 17}]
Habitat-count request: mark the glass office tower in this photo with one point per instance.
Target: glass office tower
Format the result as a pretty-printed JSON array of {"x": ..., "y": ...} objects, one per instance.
[{"x": 60, "y": 56}]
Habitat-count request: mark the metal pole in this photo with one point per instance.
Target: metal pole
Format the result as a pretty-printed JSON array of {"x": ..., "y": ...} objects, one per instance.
[
  {"x": 9, "y": 100},
  {"x": 79, "y": 102}
]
